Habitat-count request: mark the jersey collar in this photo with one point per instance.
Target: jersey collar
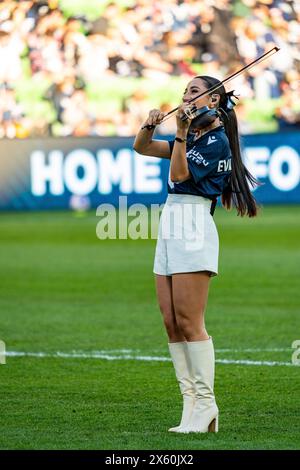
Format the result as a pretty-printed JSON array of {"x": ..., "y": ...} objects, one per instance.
[{"x": 218, "y": 128}]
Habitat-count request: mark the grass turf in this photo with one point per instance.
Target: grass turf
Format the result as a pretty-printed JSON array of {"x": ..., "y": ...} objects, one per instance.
[{"x": 62, "y": 289}]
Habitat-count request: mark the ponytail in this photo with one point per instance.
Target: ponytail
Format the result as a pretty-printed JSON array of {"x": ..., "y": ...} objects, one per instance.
[{"x": 237, "y": 192}]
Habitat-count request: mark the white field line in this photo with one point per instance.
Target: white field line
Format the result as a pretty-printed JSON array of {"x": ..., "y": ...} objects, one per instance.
[
  {"x": 161, "y": 351},
  {"x": 125, "y": 357},
  {"x": 250, "y": 350},
  {"x": 230, "y": 350},
  {"x": 256, "y": 350}
]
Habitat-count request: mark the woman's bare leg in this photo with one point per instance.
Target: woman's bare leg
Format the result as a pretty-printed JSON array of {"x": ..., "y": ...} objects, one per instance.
[
  {"x": 190, "y": 293},
  {"x": 165, "y": 301}
]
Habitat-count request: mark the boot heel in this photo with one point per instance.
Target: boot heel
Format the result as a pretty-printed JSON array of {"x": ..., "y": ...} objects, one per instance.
[{"x": 214, "y": 425}]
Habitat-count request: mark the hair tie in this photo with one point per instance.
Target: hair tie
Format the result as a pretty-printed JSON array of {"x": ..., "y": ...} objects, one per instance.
[{"x": 230, "y": 103}]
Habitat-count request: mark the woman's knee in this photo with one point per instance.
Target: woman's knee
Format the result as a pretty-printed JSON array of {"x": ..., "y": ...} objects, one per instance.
[
  {"x": 185, "y": 325},
  {"x": 172, "y": 328},
  {"x": 169, "y": 321},
  {"x": 191, "y": 326}
]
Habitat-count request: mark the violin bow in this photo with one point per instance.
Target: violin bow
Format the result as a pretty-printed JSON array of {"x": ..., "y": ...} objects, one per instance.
[{"x": 265, "y": 56}]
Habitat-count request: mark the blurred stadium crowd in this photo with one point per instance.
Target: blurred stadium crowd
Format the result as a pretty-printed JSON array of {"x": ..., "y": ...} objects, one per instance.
[{"x": 73, "y": 55}]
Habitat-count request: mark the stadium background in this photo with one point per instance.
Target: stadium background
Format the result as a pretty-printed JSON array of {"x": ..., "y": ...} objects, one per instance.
[{"x": 87, "y": 364}]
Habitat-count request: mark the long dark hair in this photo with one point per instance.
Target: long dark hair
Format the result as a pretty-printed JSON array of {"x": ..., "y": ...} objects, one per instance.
[{"x": 237, "y": 192}]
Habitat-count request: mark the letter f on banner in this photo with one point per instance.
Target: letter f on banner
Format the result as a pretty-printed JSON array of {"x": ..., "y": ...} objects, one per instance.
[{"x": 2, "y": 352}]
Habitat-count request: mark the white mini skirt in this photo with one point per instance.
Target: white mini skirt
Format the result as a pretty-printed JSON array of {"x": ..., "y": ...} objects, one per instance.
[{"x": 188, "y": 239}]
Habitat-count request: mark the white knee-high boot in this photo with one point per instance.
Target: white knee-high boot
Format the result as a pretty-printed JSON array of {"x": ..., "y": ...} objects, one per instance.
[
  {"x": 204, "y": 417},
  {"x": 179, "y": 355}
]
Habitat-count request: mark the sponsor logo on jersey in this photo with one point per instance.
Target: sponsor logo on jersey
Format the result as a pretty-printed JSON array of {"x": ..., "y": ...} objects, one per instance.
[
  {"x": 196, "y": 157},
  {"x": 224, "y": 165},
  {"x": 211, "y": 140}
]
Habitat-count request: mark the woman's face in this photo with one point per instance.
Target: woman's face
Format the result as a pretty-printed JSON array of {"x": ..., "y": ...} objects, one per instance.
[{"x": 196, "y": 87}]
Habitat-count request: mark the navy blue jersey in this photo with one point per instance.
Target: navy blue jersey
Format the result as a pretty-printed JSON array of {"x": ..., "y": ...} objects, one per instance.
[{"x": 209, "y": 162}]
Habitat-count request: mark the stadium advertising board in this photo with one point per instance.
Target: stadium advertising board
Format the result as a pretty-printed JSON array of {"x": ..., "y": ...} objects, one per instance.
[{"x": 49, "y": 173}]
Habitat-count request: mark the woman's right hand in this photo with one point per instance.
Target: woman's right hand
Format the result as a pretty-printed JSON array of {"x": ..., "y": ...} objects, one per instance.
[{"x": 155, "y": 117}]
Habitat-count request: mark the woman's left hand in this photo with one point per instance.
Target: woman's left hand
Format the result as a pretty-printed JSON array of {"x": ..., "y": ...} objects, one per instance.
[{"x": 182, "y": 126}]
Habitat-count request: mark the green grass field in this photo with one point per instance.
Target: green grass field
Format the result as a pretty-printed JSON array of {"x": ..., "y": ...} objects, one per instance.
[{"x": 62, "y": 289}]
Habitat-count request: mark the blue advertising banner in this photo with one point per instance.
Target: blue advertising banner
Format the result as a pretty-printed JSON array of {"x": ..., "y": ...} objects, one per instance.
[
  {"x": 57, "y": 172},
  {"x": 274, "y": 159}
]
